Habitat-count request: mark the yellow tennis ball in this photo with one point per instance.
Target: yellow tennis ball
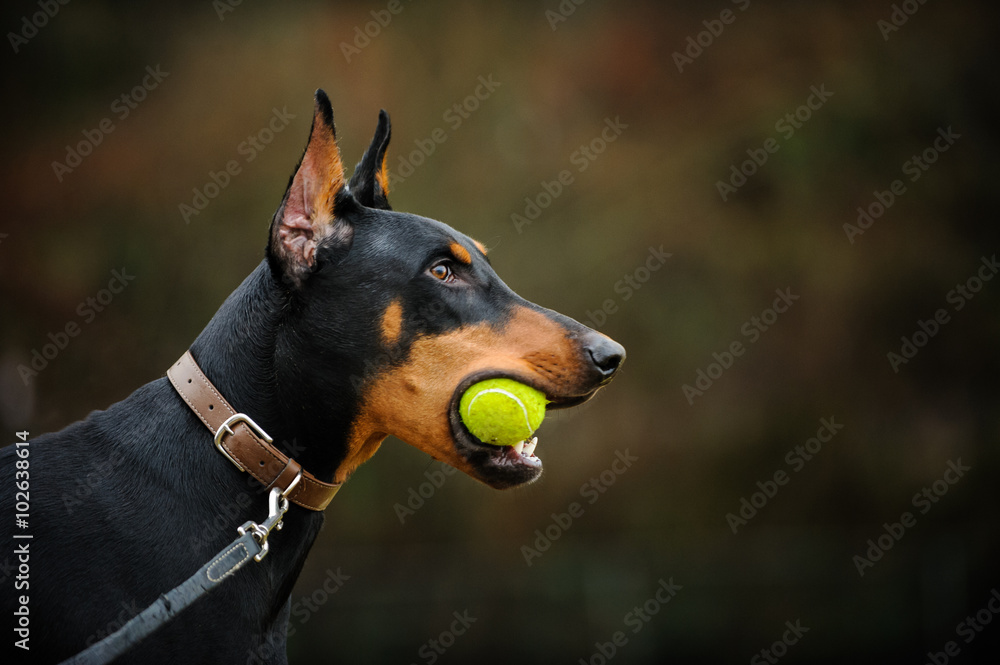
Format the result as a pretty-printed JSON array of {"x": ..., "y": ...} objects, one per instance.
[{"x": 502, "y": 411}]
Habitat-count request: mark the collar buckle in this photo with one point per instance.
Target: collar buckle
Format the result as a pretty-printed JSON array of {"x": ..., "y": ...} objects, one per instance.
[{"x": 226, "y": 428}]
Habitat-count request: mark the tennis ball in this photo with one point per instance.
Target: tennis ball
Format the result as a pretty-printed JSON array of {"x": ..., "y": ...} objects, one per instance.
[{"x": 502, "y": 411}]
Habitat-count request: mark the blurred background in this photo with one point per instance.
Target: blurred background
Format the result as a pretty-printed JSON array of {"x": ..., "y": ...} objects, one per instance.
[{"x": 121, "y": 119}]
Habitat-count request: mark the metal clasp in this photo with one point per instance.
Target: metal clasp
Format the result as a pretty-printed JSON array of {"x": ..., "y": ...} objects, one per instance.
[
  {"x": 277, "y": 506},
  {"x": 291, "y": 485},
  {"x": 225, "y": 428}
]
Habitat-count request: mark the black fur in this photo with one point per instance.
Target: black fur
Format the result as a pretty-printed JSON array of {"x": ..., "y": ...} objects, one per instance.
[{"x": 365, "y": 187}]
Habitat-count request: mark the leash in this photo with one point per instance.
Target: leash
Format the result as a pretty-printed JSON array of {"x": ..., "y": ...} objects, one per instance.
[
  {"x": 245, "y": 444},
  {"x": 252, "y": 544}
]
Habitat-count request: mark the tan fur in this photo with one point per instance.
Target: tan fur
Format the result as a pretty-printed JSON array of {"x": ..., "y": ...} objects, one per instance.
[
  {"x": 460, "y": 253},
  {"x": 383, "y": 174},
  {"x": 392, "y": 323},
  {"x": 412, "y": 401}
]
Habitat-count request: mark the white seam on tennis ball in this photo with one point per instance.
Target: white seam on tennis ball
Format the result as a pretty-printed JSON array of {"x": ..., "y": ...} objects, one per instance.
[{"x": 524, "y": 410}]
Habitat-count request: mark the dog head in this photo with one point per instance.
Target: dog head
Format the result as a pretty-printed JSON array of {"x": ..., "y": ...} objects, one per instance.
[{"x": 392, "y": 316}]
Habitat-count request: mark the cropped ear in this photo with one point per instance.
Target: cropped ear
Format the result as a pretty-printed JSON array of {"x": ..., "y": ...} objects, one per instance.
[
  {"x": 370, "y": 182},
  {"x": 307, "y": 214}
]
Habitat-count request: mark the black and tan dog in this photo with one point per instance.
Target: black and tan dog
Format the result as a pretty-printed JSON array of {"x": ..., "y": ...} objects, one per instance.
[{"x": 361, "y": 322}]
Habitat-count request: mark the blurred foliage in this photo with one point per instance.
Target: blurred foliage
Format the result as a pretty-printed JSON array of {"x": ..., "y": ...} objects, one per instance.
[{"x": 655, "y": 185}]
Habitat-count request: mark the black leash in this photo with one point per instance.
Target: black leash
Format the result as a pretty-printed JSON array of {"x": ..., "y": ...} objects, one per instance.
[{"x": 252, "y": 544}]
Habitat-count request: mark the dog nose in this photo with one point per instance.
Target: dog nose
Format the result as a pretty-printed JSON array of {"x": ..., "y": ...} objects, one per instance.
[{"x": 606, "y": 355}]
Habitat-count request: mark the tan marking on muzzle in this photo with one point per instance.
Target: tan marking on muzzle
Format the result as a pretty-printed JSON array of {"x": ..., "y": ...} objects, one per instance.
[{"x": 412, "y": 401}]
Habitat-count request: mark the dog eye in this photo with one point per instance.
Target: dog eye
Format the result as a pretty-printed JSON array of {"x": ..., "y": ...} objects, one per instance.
[{"x": 443, "y": 272}]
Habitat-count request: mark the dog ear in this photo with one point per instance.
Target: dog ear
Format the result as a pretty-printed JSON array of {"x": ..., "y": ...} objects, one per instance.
[
  {"x": 370, "y": 182},
  {"x": 307, "y": 215}
]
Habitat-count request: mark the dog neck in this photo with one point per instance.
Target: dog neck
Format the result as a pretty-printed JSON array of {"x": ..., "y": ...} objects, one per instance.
[{"x": 238, "y": 352}]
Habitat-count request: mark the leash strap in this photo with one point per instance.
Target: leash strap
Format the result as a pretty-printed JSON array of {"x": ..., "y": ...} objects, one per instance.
[
  {"x": 243, "y": 442},
  {"x": 170, "y": 604}
]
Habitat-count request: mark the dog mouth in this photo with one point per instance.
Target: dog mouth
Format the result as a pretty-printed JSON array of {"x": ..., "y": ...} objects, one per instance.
[{"x": 503, "y": 467}]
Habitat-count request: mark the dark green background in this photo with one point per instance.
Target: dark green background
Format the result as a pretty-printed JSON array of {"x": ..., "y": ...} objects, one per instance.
[{"x": 655, "y": 185}]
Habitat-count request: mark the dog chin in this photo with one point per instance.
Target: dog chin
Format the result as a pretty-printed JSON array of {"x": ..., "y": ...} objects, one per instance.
[{"x": 500, "y": 467}]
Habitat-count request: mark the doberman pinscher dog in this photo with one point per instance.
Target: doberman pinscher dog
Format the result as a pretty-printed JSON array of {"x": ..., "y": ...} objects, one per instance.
[{"x": 361, "y": 322}]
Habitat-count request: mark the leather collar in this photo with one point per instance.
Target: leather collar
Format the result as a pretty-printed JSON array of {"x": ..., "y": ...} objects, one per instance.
[{"x": 243, "y": 442}]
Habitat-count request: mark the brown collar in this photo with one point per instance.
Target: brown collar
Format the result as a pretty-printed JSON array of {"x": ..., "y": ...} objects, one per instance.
[{"x": 243, "y": 442}]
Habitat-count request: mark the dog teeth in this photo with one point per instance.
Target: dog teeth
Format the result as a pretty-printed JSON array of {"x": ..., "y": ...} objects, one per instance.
[
  {"x": 529, "y": 447},
  {"x": 519, "y": 447}
]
